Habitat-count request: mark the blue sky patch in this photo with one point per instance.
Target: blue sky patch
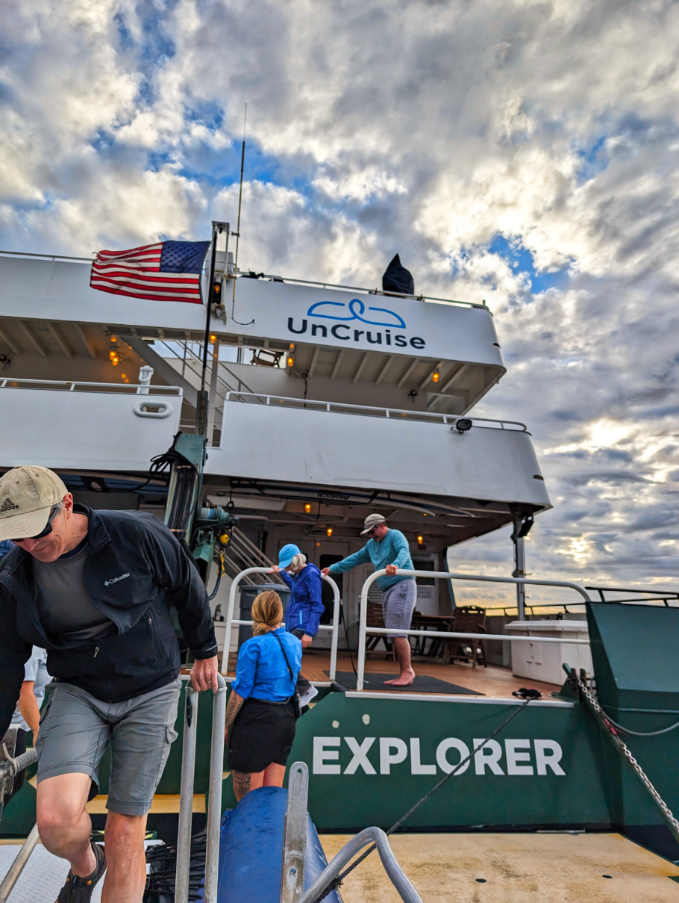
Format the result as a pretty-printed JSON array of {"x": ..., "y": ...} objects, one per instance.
[
  {"x": 521, "y": 260},
  {"x": 592, "y": 160}
]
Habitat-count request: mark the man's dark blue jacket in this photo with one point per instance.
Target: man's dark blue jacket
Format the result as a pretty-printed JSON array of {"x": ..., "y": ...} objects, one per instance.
[{"x": 134, "y": 571}]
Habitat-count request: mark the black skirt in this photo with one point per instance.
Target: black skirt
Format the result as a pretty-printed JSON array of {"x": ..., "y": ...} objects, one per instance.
[{"x": 262, "y": 734}]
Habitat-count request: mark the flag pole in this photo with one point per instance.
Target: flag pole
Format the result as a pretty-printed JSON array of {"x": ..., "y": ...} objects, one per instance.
[{"x": 202, "y": 410}]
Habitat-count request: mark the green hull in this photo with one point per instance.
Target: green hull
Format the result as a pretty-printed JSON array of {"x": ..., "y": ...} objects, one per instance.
[{"x": 371, "y": 756}]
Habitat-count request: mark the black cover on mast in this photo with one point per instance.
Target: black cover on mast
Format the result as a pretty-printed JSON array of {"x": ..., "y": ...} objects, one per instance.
[{"x": 397, "y": 279}]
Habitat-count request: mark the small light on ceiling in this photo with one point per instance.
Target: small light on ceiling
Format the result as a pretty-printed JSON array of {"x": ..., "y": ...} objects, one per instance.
[
  {"x": 213, "y": 338},
  {"x": 307, "y": 507},
  {"x": 114, "y": 354},
  {"x": 329, "y": 531},
  {"x": 436, "y": 376}
]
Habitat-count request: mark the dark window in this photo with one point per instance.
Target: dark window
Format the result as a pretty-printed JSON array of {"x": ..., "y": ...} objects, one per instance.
[
  {"x": 424, "y": 564},
  {"x": 326, "y": 589}
]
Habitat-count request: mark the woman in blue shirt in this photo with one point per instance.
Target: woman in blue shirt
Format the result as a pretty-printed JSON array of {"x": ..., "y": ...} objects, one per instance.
[
  {"x": 260, "y": 715},
  {"x": 305, "y": 607}
]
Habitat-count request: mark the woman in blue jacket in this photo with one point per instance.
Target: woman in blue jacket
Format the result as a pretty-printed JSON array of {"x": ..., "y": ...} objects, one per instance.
[
  {"x": 305, "y": 607},
  {"x": 261, "y": 717}
]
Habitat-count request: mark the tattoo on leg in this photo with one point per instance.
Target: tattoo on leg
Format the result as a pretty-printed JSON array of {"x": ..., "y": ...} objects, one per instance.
[{"x": 241, "y": 784}]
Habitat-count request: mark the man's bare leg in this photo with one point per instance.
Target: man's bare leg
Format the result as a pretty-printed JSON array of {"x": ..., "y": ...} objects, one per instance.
[
  {"x": 63, "y": 823},
  {"x": 407, "y": 675},
  {"x": 125, "y": 858}
]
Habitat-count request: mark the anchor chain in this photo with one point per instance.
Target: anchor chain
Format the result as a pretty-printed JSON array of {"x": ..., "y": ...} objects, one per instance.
[{"x": 643, "y": 777}]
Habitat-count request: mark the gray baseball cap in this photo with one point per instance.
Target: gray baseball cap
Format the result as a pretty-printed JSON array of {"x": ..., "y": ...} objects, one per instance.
[{"x": 372, "y": 520}]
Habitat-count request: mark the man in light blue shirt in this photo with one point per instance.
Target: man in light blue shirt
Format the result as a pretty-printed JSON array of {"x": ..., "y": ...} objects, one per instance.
[{"x": 388, "y": 550}]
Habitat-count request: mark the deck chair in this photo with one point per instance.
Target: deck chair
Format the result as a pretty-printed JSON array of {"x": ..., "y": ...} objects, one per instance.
[
  {"x": 467, "y": 619},
  {"x": 374, "y": 619}
]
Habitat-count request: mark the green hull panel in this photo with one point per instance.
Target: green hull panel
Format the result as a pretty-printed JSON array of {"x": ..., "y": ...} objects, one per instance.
[{"x": 540, "y": 770}]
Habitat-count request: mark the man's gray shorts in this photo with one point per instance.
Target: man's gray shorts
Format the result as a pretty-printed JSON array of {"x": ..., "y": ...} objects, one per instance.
[
  {"x": 75, "y": 729},
  {"x": 398, "y": 604}
]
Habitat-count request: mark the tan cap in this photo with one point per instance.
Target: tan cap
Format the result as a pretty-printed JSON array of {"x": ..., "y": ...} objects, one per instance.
[
  {"x": 372, "y": 520},
  {"x": 26, "y": 497}
]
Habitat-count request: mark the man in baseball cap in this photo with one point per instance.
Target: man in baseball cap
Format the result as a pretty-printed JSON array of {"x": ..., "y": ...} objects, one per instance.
[
  {"x": 94, "y": 588},
  {"x": 388, "y": 550},
  {"x": 28, "y": 499}
]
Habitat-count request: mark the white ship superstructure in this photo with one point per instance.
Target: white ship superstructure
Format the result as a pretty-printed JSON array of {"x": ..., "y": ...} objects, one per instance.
[{"x": 331, "y": 402}]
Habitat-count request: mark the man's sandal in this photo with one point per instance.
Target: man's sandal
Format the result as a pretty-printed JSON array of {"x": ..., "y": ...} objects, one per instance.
[{"x": 79, "y": 890}]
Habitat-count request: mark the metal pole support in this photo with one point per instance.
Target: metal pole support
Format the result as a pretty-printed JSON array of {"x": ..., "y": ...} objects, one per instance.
[
  {"x": 214, "y": 806},
  {"x": 186, "y": 796},
  {"x": 214, "y": 809},
  {"x": 295, "y": 831},
  {"x": 17, "y": 867}
]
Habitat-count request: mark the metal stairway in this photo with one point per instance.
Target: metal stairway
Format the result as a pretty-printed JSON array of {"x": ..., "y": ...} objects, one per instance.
[{"x": 241, "y": 553}]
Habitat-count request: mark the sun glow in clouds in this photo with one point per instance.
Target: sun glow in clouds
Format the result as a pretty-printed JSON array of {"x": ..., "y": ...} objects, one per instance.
[{"x": 605, "y": 433}]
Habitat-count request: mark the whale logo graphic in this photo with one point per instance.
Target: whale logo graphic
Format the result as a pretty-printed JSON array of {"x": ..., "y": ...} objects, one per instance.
[{"x": 357, "y": 311}]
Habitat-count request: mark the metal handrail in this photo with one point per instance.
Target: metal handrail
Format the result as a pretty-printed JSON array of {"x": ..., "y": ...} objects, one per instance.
[
  {"x": 241, "y": 274},
  {"x": 232, "y": 622},
  {"x": 187, "y": 343},
  {"x": 664, "y": 595},
  {"x": 71, "y": 386},
  {"x": 445, "y": 575},
  {"x": 268, "y": 277},
  {"x": 214, "y": 808},
  {"x": 396, "y": 874},
  {"x": 340, "y": 406}
]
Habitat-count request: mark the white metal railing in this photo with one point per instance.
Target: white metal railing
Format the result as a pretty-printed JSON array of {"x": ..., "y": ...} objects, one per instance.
[
  {"x": 269, "y": 278},
  {"x": 366, "y": 291},
  {"x": 232, "y": 622},
  {"x": 369, "y": 410},
  {"x": 450, "y": 635},
  {"x": 69, "y": 386}
]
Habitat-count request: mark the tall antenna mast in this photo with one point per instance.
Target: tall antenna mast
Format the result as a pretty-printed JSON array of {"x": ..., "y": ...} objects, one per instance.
[{"x": 240, "y": 200}]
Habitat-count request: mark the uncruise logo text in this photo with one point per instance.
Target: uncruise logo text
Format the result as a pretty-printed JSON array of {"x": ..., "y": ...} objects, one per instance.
[
  {"x": 346, "y": 333},
  {"x": 377, "y": 755}
]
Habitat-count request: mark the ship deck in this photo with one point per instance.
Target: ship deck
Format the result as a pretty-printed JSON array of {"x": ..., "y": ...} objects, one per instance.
[{"x": 492, "y": 681}]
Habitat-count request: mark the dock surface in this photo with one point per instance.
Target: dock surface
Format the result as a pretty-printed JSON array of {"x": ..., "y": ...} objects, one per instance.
[{"x": 515, "y": 868}]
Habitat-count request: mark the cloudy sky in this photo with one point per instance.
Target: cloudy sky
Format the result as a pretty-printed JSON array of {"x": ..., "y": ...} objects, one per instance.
[{"x": 521, "y": 151}]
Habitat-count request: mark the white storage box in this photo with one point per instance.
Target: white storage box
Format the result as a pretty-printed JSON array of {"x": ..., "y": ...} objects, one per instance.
[{"x": 543, "y": 661}]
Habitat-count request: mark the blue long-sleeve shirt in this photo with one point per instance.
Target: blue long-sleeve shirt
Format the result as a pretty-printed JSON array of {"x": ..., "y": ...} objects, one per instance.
[
  {"x": 261, "y": 671},
  {"x": 305, "y": 606},
  {"x": 393, "y": 549}
]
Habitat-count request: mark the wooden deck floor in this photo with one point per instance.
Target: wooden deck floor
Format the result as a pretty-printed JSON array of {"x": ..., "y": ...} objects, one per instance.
[{"x": 495, "y": 682}]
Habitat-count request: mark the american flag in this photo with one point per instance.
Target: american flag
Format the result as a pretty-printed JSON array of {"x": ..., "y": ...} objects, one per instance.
[{"x": 164, "y": 271}]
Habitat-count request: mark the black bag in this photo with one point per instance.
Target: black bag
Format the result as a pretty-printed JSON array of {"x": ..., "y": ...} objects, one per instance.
[
  {"x": 397, "y": 279},
  {"x": 294, "y": 699}
]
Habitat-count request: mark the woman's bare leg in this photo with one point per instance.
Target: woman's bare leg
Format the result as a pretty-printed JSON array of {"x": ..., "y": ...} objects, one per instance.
[
  {"x": 244, "y": 783},
  {"x": 273, "y": 775}
]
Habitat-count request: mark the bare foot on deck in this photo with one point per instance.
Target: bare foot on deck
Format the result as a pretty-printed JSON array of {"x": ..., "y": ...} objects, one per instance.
[{"x": 403, "y": 680}]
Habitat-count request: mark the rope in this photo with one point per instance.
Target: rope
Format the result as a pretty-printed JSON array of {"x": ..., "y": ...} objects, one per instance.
[
  {"x": 334, "y": 885},
  {"x": 627, "y": 730},
  {"x": 161, "y": 465}
]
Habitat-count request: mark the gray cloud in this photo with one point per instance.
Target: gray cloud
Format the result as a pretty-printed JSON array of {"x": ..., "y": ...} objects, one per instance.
[{"x": 424, "y": 128}]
